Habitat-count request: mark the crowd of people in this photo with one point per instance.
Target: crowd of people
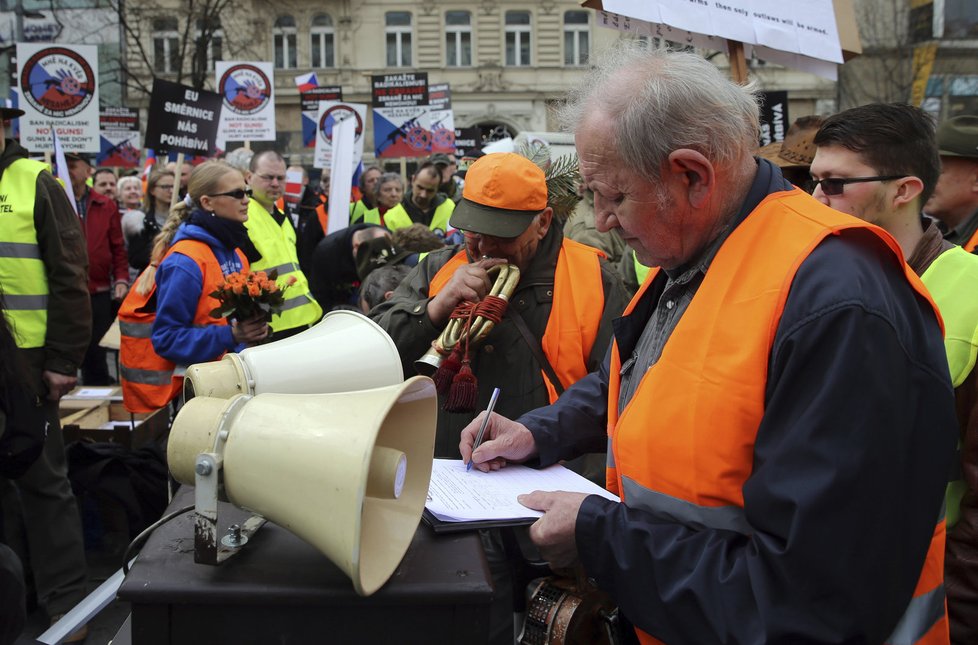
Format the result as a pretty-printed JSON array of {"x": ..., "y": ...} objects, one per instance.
[{"x": 769, "y": 355}]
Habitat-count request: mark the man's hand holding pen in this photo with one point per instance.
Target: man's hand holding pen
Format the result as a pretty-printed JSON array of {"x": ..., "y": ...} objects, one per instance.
[{"x": 504, "y": 441}]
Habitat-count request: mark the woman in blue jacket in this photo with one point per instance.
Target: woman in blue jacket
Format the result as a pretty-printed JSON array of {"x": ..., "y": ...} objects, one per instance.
[{"x": 203, "y": 241}]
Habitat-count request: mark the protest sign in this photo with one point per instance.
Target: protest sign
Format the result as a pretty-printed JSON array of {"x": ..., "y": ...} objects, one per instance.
[
  {"x": 442, "y": 119},
  {"x": 310, "y": 110},
  {"x": 774, "y": 117},
  {"x": 467, "y": 140},
  {"x": 119, "y": 134},
  {"x": 402, "y": 125},
  {"x": 58, "y": 88},
  {"x": 803, "y": 36},
  {"x": 249, "y": 105},
  {"x": 182, "y": 119},
  {"x": 330, "y": 112}
]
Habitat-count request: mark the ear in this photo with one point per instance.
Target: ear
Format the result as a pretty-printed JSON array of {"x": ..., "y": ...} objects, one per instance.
[
  {"x": 908, "y": 190},
  {"x": 544, "y": 219},
  {"x": 205, "y": 203},
  {"x": 695, "y": 173}
]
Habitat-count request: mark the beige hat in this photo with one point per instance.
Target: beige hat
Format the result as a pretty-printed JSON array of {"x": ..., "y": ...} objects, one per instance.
[{"x": 798, "y": 148}]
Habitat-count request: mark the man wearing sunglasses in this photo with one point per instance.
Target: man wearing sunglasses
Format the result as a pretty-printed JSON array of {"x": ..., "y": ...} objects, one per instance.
[
  {"x": 880, "y": 163},
  {"x": 273, "y": 235}
]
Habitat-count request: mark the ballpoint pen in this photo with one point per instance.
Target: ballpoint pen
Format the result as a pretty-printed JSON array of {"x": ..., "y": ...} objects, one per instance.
[{"x": 482, "y": 428}]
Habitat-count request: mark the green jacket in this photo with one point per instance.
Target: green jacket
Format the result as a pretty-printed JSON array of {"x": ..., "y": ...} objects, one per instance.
[{"x": 503, "y": 359}]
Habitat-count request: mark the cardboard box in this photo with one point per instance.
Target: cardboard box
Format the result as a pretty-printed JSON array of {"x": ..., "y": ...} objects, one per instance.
[{"x": 91, "y": 418}]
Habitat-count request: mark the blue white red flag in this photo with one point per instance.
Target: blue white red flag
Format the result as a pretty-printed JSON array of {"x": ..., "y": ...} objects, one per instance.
[{"x": 306, "y": 82}]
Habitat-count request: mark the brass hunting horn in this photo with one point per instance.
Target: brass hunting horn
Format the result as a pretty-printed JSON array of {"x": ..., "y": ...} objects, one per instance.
[
  {"x": 447, "y": 362},
  {"x": 507, "y": 276}
]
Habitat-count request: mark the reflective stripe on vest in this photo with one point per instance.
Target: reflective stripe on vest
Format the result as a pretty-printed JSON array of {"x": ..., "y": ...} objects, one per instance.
[
  {"x": 277, "y": 247},
  {"x": 575, "y": 315},
  {"x": 951, "y": 278},
  {"x": 683, "y": 447},
  {"x": 22, "y": 272}
]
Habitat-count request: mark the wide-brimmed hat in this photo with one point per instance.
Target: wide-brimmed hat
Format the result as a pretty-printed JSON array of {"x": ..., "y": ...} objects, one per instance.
[
  {"x": 798, "y": 148},
  {"x": 80, "y": 156},
  {"x": 503, "y": 192},
  {"x": 958, "y": 137},
  {"x": 377, "y": 253},
  {"x": 441, "y": 159},
  {"x": 10, "y": 113}
]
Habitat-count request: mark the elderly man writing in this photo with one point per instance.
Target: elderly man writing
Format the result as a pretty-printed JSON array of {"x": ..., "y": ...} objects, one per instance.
[{"x": 776, "y": 402}]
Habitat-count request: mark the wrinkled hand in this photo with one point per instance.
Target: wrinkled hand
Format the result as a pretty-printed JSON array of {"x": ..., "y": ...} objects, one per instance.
[
  {"x": 250, "y": 331},
  {"x": 119, "y": 291},
  {"x": 58, "y": 384},
  {"x": 470, "y": 282},
  {"x": 554, "y": 533},
  {"x": 503, "y": 441}
]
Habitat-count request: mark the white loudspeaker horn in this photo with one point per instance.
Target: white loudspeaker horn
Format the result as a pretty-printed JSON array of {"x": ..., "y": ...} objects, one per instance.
[
  {"x": 343, "y": 352},
  {"x": 346, "y": 472}
]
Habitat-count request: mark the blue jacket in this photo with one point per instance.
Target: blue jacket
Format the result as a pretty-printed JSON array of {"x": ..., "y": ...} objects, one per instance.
[{"x": 179, "y": 287}]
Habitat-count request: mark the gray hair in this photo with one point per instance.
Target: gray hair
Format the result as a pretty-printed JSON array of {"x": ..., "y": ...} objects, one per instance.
[
  {"x": 380, "y": 281},
  {"x": 129, "y": 179},
  {"x": 387, "y": 178},
  {"x": 240, "y": 158},
  {"x": 661, "y": 101}
]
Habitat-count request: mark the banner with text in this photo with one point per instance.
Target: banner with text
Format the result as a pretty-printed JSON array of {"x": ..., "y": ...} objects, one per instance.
[
  {"x": 402, "y": 125},
  {"x": 803, "y": 37},
  {"x": 467, "y": 140},
  {"x": 182, "y": 119},
  {"x": 774, "y": 116},
  {"x": 331, "y": 112},
  {"x": 310, "y": 110},
  {"x": 249, "y": 105},
  {"x": 442, "y": 118},
  {"x": 58, "y": 88},
  {"x": 119, "y": 134}
]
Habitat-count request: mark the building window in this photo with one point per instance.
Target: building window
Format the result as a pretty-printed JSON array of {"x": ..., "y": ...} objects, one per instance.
[
  {"x": 398, "y": 31},
  {"x": 577, "y": 34},
  {"x": 210, "y": 42},
  {"x": 517, "y": 38},
  {"x": 283, "y": 38},
  {"x": 960, "y": 19},
  {"x": 458, "y": 38},
  {"x": 166, "y": 45},
  {"x": 321, "y": 41}
]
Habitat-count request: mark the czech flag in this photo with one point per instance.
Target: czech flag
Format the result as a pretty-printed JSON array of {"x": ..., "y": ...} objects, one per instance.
[{"x": 306, "y": 82}]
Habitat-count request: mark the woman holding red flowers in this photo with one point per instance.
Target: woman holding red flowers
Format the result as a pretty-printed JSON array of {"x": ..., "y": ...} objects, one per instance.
[{"x": 209, "y": 242}]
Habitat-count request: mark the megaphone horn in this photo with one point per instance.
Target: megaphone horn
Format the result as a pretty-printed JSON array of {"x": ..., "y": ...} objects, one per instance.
[
  {"x": 346, "y": 472},
  {"x": 343, "y": 352}
]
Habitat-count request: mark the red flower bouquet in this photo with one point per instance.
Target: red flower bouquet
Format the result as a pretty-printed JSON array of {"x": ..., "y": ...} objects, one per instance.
[{"x": 249, "y": 295}]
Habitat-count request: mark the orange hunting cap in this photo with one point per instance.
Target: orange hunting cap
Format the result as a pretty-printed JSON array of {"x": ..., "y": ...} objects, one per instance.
[{"x": 503, "y": 192}]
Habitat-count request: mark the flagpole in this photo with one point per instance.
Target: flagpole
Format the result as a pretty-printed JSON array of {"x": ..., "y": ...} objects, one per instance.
[{"x": 175, "y": 197}]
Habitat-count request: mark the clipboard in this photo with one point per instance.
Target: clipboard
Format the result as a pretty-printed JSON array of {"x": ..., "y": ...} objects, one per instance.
[{"x": 441, "y": 527}]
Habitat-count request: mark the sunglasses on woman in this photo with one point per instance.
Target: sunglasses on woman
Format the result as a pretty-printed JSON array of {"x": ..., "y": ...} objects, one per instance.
[{"x": 240, "y": 193}]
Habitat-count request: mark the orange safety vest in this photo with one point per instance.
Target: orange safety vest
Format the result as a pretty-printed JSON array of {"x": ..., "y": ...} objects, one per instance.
[
  {"x": 575, "y": 314},
  {"x": 687, "y": 436},
  {"x": 148, "y": 382},
  {"x": 323, "y": 214},
  {"x": 970, "y": 245}
]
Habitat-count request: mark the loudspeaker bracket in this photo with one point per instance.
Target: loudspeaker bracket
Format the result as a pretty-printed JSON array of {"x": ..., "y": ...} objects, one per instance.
[{"x": 209, "y": 548}]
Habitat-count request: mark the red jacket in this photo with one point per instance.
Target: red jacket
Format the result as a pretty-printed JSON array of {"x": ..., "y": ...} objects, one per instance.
[{"x": 107, "y": 262}]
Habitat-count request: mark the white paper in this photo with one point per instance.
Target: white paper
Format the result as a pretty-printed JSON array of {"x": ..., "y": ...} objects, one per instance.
[
  {"x": 93, "y": 393},
  {"x": 457, "y": 495}
]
